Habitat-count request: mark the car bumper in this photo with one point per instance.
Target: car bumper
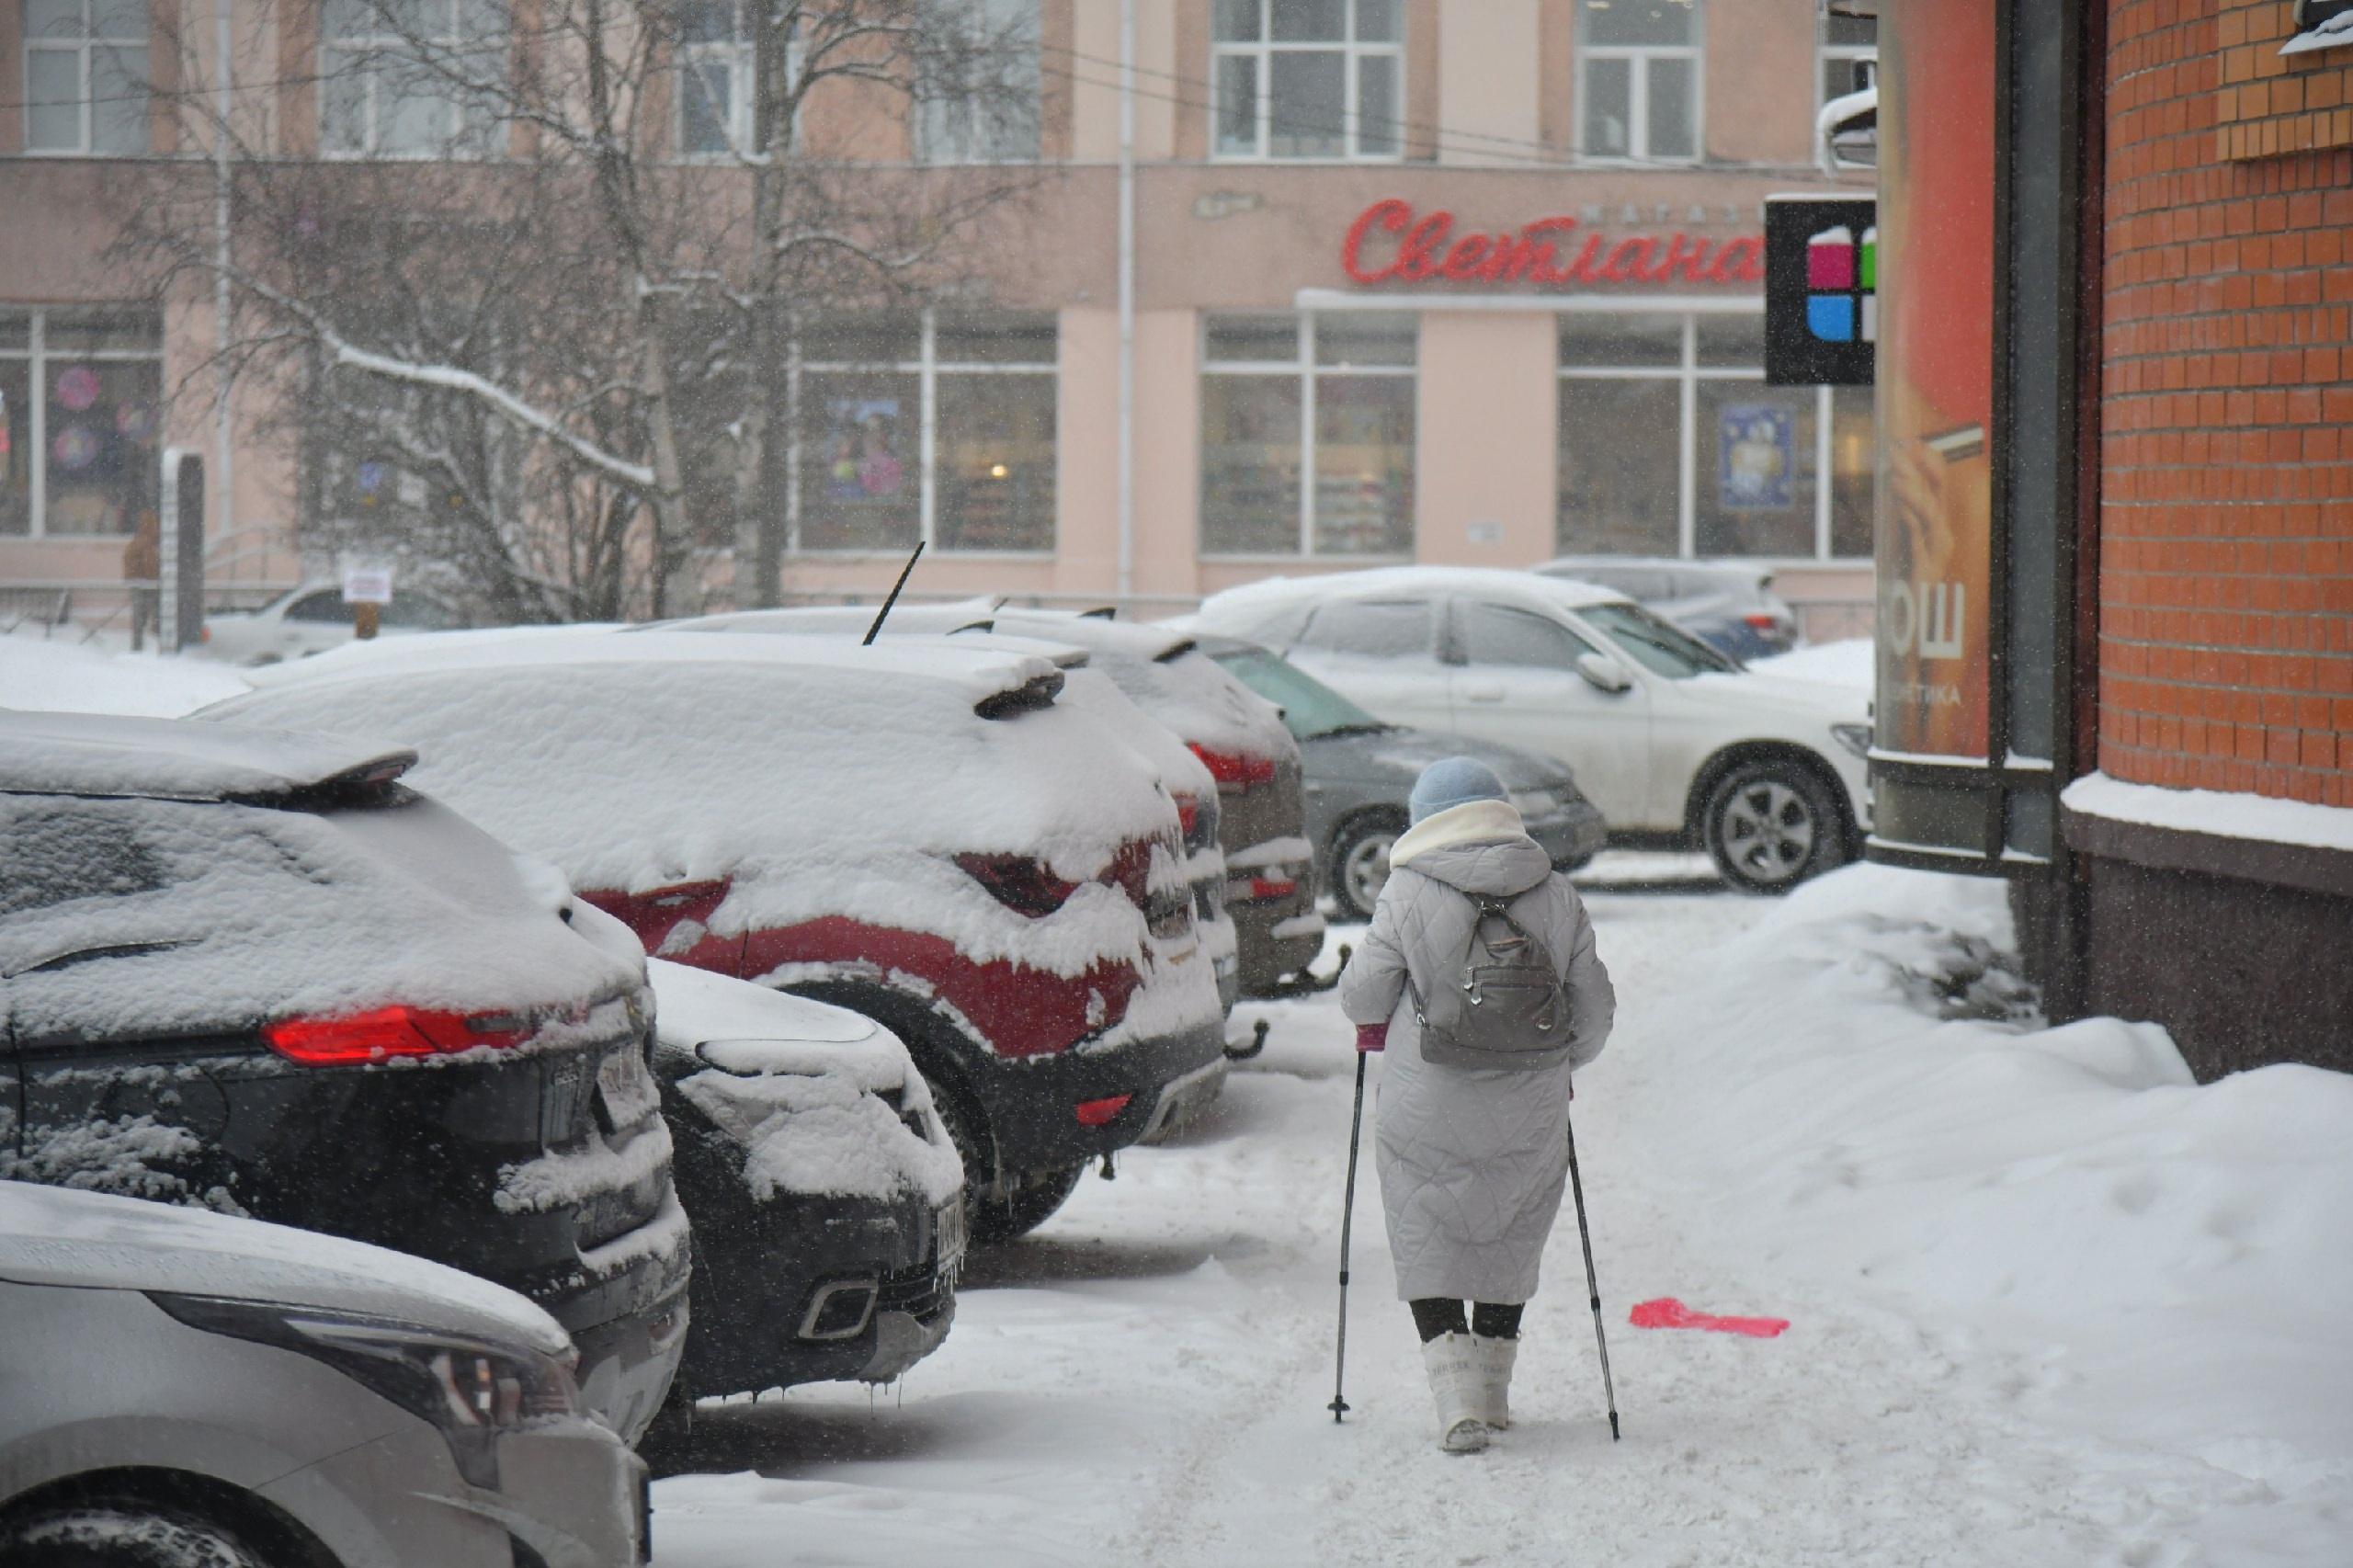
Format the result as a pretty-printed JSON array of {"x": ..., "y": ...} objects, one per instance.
[
  {"x": 1571, "y": 836},
  {"x": 627, "y": 1365},
  {"x": 761, "y": 1268},
  {"x": 1033, "y": 1103},
  {"x": 568, "y": 1490},
  {"x": 1276, "y": 938}
]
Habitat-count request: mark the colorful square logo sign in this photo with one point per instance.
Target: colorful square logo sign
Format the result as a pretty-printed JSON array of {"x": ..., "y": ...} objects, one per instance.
[{"x": 1820, "y": 290}]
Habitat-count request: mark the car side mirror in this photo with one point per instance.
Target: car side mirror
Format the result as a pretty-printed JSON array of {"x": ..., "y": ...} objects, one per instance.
[{"x": 1603, "y": 674}]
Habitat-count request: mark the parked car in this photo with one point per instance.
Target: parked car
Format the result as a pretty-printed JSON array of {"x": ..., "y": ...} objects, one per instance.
[
  {"x": 1359, "y": 770},
  {"x": 1674, "y": 742},
  {"x": 313, "y": 618},
  {"x": 254, "y": 972},
  {"x": 1728, "y": 604},
  {"x": 192, "y": 1388},
  {"x": 925, "y": 835},
  {"x": 826, "y": 1195},
  {"x": 1270, "y": 886}
]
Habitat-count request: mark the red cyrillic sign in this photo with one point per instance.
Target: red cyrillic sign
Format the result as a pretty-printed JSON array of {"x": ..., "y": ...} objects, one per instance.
[{"x": 1548, "y": 251}]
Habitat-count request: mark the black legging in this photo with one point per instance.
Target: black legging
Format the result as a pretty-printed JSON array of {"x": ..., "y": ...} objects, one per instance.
[{"x": 1435, "y": 1315}]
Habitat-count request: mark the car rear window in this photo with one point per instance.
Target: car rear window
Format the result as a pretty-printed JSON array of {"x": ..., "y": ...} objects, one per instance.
[{"x": 59, "y": 850}]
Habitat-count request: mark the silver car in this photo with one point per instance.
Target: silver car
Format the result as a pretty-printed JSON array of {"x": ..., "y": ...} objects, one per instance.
[{"x": 184, "y": 1387}]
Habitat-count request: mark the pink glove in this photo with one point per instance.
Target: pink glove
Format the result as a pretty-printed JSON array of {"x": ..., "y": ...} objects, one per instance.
[{"x": 1372, "y": 1036}]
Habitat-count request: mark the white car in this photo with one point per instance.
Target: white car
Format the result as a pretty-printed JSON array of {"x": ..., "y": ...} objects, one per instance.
[
  {"x": 311, "y": 619},
  {"x": 1672, "y": 741},
  {"x": 179, "y": 1387}
]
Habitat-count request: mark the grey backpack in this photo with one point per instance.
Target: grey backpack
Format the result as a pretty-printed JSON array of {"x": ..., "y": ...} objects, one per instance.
[{"x": 1503, "y": 1006}]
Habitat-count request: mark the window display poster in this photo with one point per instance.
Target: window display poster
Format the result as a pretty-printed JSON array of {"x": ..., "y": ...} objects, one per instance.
[
  {"x": 1755, "y": 452},
  {"x": 1935, "y": 376},
  {"x": 863, "y": 455}
]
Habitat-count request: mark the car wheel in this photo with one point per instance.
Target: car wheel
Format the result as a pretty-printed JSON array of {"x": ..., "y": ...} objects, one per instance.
[
  {"x": 1769, "y": 825},
  {"x": 1360, "y": 863},
  {"x": 989, "y": 1219},
  {"x": 121, "y": 1534}
]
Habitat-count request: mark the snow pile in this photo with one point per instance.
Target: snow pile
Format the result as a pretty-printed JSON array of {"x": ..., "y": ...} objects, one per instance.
[
  {"x": 820, "y": 778},
  {"x": 60, "y": 676},
  {"x": 807, "y": 1090},
  {"x": 1851, "y": 663},
  {"x": 51, "y": 1237},
  {"x": 1856, "y": 1093},
  {"x": 2211, "y": 811}
]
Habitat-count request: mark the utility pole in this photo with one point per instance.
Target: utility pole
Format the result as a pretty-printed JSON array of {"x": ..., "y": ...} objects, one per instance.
[{"x": 1127, "y": 475}]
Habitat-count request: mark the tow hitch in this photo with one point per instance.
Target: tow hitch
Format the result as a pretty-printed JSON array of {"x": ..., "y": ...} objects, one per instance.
[{"x": 1236, "y": 1051}]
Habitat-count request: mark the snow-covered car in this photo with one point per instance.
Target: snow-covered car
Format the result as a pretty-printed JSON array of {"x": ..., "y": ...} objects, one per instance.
[
  {"x": 1670, "y": 739},
  {"x": 925, "y": 835},
  {"x": 1270, "y": 882},
  {"x": 1359, "y": 771},
  {"x": 189, "y": 1389},
  {"x": 1728, "y": 604},
  {"x": 826, "y": 1195},
  {"x": 313, "y": 619},
  {"x": 254, "y": 972}
]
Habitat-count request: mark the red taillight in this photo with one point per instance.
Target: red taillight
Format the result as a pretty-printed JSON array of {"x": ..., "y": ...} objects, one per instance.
[
  {"x": 1763, "y": 620},
  {"x": 1018, "y": 882},
  {"x": 1188, "y": 815},
  {"x": 350, "y": 1039},
  {"x": 1255, "y": 888},
  {"x": 1100, "y": 1113},
  {"x": 1233, "y": 771}
]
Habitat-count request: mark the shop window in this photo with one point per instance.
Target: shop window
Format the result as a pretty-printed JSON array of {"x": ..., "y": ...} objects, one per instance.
[
  {"x": 1638, "y": 80},
  {"x": 938, "y": 427},
  {"x": 1308, "y": 78},
  {"x": 85, "y": 77},
  {"x": 391, "y": 77},
  {"x": 81, "y": 395},
  {"x": 1307, "y": 434},
  {"x": 1671, "y": 444},
  {"x": 1847, "y": 58},
  {"x": 978, "y": 103}
]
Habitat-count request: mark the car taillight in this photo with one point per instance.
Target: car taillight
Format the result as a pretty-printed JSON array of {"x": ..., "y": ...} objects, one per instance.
[
  {"x": 351, "y": 1039},
  {"x": 1255, "y": 888},
  {"x": 1231, "y": 769},
  {"x": 1763, "y": 621},
  {"x": 1102, "y": 1112},
  {"x": 1188, "y": 815},
  {"x": 1018, "y": 882}
]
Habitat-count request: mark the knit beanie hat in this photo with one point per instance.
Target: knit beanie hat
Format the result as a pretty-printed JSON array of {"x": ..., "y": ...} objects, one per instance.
[{"x": 1453, "y": 781}]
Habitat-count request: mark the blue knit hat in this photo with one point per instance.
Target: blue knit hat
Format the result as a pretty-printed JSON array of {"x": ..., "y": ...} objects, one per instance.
[{"x": 1453, "y": 781}]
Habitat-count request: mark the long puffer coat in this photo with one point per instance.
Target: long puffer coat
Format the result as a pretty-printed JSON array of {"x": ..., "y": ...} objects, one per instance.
[{"x": 1472, "y": 1160}]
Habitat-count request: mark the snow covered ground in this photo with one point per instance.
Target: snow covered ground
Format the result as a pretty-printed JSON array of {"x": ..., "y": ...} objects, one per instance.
[
  {"x": 2050, "y": 1305},
  {"x": 61, "y": 674}
]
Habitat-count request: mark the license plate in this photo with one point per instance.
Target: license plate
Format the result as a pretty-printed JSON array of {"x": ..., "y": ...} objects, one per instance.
[
  {"x": 947, "y": 1224},
  {"x": 627, "y": 1089}
]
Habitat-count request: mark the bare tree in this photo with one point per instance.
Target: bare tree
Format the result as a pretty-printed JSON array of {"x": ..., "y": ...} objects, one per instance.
[{"x": 568, "y": 334}]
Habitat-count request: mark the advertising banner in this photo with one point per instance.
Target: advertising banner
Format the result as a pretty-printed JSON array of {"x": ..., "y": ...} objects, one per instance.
[{"x": 1936, "y": 376}]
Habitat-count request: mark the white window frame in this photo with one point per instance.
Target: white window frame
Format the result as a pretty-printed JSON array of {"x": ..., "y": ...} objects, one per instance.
[
  {"x": 1688, "y": 373},
  {"x": 377, "y": 46},
  {"x": 968, "y": 150},
  {"x": 1639, "y": 57},
  {"x": 1825, "y": 51},
  {"x": 742, "y": 60},
  {"x": 84, "y": 46},
  {"x": 928, "y": 368},
  {"x": 35, "y": 357},
  {"x": 1264, "y": 48},
  {"x": 1303, "y": 366}
]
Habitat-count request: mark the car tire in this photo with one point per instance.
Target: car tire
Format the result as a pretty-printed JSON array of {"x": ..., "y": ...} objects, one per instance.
[
  {"x": 1360, "y": 862},
  {"x": 1769, "y": 825},
  {"x": 988, "y": 1221},
  {"x": 122, "y": 1535}
]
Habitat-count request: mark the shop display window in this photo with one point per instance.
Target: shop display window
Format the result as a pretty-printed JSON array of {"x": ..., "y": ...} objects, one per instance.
[{"x": 81, "y": 400}]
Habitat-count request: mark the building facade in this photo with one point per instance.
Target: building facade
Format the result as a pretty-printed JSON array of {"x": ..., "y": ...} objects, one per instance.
[{"x": 1444, "y": 281}]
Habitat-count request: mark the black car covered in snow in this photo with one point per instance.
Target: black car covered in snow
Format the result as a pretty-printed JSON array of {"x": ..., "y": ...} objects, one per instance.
[
  {"x": 252, "y": 970},
  {"x": 827, "y": 1197}
]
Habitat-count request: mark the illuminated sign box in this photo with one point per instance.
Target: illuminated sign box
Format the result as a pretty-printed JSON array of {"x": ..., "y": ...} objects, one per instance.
[{"x": 1820, "y": 290}]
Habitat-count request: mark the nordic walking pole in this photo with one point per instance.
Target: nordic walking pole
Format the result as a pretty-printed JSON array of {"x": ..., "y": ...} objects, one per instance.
[
  {"x": 1339, "y": 1407},
  {"x": 1593, "y": 1286}
]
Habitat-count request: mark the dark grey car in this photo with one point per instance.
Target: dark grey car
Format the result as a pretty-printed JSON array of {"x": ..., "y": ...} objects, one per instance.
[{"x": 1360, "y": 770}]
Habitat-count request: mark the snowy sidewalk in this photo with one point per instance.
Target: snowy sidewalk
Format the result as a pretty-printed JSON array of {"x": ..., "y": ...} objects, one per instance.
[{"x": 1144, "y": 1382}]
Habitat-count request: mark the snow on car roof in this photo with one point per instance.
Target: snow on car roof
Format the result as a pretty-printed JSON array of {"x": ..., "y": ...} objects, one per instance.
[
  {"x": 818, "y": 778},
  {"x": 851, "y": 618},
  {"x": 1567, "y": 593},
  {"x": 172, "y": 759},
  {"x": 52, "y": 1235},
  {"x": 1162, "y": 671}
]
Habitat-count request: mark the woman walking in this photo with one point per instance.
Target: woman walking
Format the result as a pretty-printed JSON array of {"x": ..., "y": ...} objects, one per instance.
[{"x": 1479, "y": 953}]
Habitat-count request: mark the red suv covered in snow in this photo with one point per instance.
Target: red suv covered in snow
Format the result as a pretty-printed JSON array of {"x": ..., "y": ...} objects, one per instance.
[{"x": 922, "y": 834}]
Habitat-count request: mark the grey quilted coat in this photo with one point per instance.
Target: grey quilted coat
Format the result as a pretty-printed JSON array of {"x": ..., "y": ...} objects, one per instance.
[{"x": 1472, "y": 1160}]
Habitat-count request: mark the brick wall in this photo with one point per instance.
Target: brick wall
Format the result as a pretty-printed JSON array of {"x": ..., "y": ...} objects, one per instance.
[{"x": 2226, "y": 513}]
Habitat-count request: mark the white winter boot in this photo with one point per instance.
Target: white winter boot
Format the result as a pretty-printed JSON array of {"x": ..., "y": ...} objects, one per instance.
[
  {"x": 1492, "y": 1361},
  {"x": 1454, "y": 1383}
]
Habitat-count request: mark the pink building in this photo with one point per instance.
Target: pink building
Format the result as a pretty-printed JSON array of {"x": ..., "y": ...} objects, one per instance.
[{"x": 1444, "y": 281}]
